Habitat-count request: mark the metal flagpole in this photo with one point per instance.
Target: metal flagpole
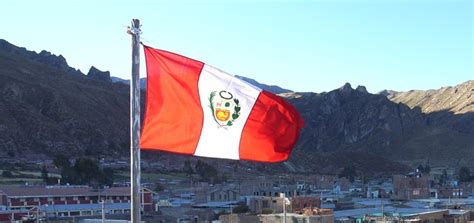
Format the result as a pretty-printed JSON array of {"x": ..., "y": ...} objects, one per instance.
[{"x": 134, "y": 30}]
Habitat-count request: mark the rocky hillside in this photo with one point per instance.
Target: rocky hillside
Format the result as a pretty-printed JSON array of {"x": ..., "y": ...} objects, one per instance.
[
  {"x": 457, "y": 100},
  {"x": 452, "y": 107},
  {"x": 47, "y": 107},
  {"x": 348, "y": 119}
]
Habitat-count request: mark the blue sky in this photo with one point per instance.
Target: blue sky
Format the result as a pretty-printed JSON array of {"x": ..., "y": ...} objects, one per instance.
[{"x": 301, "y": 45}]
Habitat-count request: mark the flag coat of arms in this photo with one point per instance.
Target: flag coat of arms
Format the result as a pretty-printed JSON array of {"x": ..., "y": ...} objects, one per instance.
[{"x": 196, "y": 109}]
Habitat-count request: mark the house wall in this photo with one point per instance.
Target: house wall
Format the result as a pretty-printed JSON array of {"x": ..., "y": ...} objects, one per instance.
[
  {"x": 238, "y": 218},
  {"x": 299, "y": 203},
  {"x": 223, "y": 195},
  {"x": 410, "y": 187},
  {"x": 3, "y": 199},
  {"x": 259, "y": 204}
]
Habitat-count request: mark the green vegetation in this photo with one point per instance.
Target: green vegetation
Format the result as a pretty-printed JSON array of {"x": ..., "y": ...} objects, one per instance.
[
  {"x": 444, "y": 177},
  {"x": 242, "y": 208},
  {"x": 188, "y": 168},
  {"x": 208, "y": 173},
  {"x": 84, "y": 171},
  {"x": 7, "y": 174},
  {"x": 267, "y": 211},
  {"x": 159, "y": 187},
  {"x": 348, "y": 172},
  {"x": 465, "y": 174},
  {"x": 424, "y": 169}
]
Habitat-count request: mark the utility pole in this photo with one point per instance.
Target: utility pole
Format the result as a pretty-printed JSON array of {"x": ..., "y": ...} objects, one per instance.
[
  {"x": 282, "y": 195},
  {"x": 135, "y": 31},
  {"x": 103, "y": 210}
]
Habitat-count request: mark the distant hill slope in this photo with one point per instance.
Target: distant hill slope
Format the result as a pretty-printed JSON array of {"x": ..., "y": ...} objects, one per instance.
[
  {"x": 127, "y": 82},
  {"x": 270, "y": 88},
  {"x": 458, "y": 99}
]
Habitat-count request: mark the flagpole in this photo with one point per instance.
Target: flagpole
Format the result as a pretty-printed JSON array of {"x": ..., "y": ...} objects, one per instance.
[{"x": 134, "y": 30}]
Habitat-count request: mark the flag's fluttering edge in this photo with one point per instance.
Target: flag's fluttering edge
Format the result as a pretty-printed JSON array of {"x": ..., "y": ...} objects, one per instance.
[{"x": 196, "y": 109}]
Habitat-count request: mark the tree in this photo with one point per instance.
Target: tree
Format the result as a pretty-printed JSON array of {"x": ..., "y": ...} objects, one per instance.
[
  {"x": 44, "y": 174},
  {"x": 464, "y": 174},
  {"x": 242, "y": 208},
  {"x": 69, "y": 176},
  {"x": 207, "y": 172},
  {"x": 424, "y": 169},
  {"x": 444, "y": 177},
  {"x": 11, "y": 153},
  {"x": 427, "y": 169},
  {"x": 159, "y": 187},
  {"x": 187, "y": 167},
  {"x": 7, "y": 174},
  {"x": 348, "y": 172},
  {"x": 107, "y": 177},
  {"x": 84, "y": 171},
  {"x": 421, "y": 168},
  {"x": 61, "y": 161}
]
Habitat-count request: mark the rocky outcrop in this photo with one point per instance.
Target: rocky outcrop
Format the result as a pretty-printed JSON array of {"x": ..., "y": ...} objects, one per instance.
[
  {"x": 96, "y": 74},
  {"x": 348, "y": 119}
]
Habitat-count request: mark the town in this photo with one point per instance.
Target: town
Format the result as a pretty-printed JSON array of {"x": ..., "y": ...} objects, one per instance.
[{"x": 198, "y": 192}]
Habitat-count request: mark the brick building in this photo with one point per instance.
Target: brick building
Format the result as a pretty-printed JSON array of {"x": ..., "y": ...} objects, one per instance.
[
  {"x": 410, "y": 187},
  {"x": 65, "y": 201}
]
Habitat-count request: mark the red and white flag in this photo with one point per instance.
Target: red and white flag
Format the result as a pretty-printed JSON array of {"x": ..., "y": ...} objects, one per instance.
[{"x": 196, "y": 109}]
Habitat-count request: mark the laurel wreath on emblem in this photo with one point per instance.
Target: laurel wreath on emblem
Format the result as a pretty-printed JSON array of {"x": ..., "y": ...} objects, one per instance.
[{"x": 227, "y": 104}]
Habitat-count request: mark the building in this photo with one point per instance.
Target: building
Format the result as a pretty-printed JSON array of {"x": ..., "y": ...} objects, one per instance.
[
  {"x": 269, "y": 187},
  {"x": 300, "y": 203},
  {"x": 323, "y": 217},
  {"x": 264, "y": 204},
  {"x": 450, "y": 192},
  {"x": 223, "y": 194},
  {"x": 437, "y": 216},
  {"x": 407, "y": 187},
  {"x": 458, "y": 216},
  {"x": 67, "y": 201}
]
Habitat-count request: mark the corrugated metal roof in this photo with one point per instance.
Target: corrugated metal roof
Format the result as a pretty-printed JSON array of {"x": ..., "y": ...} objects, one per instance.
[
  {"x": 65, "y": 191},
  {"x": 83, "y": 207},
  {"x": 389, "y": 209}
]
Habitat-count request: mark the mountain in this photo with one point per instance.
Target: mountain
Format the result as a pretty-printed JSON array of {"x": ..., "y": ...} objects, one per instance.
[
  {"x": 50, "y": 60},
  {"x": 49, "y": 108},
  {"x": 452, "y": 107},
  {"x": 433, "y": 126},
  {"x": 457, "y": 100},
  {"x": 44, "y": 57},
  {"x": 97, "y": 74},
  {"x": 271, "y": 88},
  {"x": 127, "y": 82}
]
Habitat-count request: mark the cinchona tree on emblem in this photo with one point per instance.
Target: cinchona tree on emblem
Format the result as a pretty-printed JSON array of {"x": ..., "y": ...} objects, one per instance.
[{"x": 225, "y": 108}]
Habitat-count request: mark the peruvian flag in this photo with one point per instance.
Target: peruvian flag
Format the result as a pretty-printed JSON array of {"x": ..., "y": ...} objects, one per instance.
[{"x": 196, "y": 109}]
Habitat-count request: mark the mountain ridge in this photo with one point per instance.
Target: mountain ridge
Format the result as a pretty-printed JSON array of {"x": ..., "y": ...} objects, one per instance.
[{"x": 46, "y": 110}]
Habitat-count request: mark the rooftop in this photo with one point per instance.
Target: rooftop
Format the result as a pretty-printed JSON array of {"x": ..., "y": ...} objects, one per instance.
[
  {"x": 54, "y": 191},
  {"x": 378, "y": 211}
]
